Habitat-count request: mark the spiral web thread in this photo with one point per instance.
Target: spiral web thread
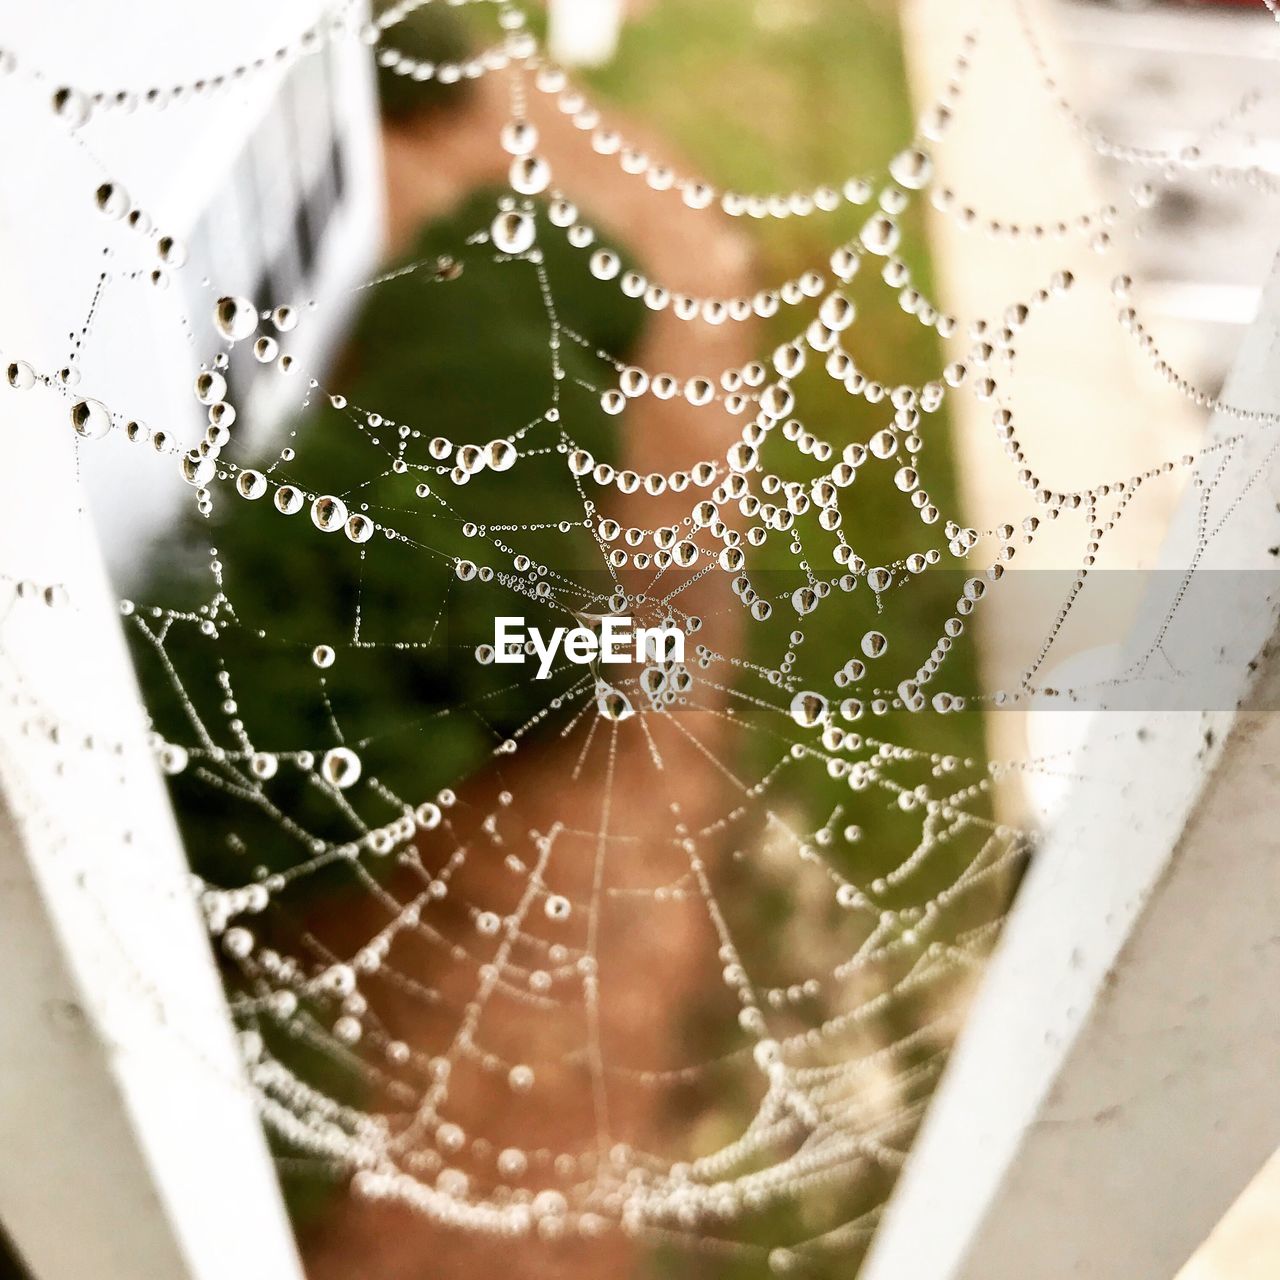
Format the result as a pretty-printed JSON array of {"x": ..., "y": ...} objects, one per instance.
[{"x": 483, "y": 958}]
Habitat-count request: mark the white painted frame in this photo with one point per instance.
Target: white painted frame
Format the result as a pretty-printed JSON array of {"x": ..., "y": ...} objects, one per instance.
[
  {"x": 1117, "y": 1083},
  {"x": 131, "y": 1139}
]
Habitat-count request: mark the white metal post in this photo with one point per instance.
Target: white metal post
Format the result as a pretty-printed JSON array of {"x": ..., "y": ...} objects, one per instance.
[
  {"x": 131, "y": 1144},
  {"x": 1118, "y": 1081},
  {"x": 584, "y": 33}
]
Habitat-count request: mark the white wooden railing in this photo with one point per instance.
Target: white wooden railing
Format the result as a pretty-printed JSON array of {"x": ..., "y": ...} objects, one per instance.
[{"x": 1118, "y": 1082}]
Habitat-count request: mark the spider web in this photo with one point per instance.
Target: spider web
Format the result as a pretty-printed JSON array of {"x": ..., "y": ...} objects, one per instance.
[{"x": 548, "y": 996}]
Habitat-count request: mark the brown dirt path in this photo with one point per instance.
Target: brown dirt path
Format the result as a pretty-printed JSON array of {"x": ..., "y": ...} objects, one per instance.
[{"x": 657, "y": 962}]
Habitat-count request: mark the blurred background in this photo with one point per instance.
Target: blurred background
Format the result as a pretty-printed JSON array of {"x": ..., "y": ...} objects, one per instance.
[{"x": 351, "y": 165}]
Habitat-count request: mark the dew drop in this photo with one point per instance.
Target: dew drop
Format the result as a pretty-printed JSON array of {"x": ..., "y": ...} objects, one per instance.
[
  {"x": 530, "y": 175},
  {"x": 880, "y": 235},
  {"x": 288, "y": 500},
  {"x": 112, "y": 200},
  {"x": 234, "y": 317},
  {"x": 613, "y": 704},
  {"x": 172, "y": 252},
  {"x": 71, "y": 106},
  {"x": 808, "y": 709},
  {"x": 605, "y": 264},
  {"x": 328, "y": 513},
  {"x": 91, "y": 419},
  {"x": 197, "y": 468},
  {"x": 911, "y": 168},
  {"x": 512, "y": 232},
  {"x": 499, "y": 455},
  {"x": 251, "y": 484},
  {"x": 341, "y": 767},
  {"x": 264, "y": 765},
  {"x": 520, "y": 1078},
  {"x": 210, "y": 387},
  {"x": 874, "y": 644},
  {"x": 359, "y": 528}
]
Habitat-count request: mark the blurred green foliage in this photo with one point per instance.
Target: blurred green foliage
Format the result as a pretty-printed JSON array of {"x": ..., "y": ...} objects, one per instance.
[{"x": 467, "y": 359}]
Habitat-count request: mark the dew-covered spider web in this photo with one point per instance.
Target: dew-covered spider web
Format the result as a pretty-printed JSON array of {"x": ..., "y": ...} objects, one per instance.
[{"x": 667, "y": 953}]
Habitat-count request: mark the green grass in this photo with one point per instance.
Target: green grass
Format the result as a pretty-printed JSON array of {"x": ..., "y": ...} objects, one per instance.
[
  {"x": 765, "y": 109},
  {"x": 778, "y": 109}
]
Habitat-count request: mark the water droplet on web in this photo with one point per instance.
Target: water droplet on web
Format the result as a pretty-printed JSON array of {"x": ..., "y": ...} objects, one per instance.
[
  {"x": 880, "y": 235},
  {"x": 91, "y": 419},
  {"x": 804, "y": 600},
  {"x": 210, "y": 387},
  {"x": 499, "y": 455},
  {"x": 264, "y": 765},
  {"x": 781, "y": 1261},
  {"x": 289, "y": 500},
  {"x": 512, "y": 232},
  {"x": 71, "y": 106},
  {"x": 519, "y": 137},
  {"x": 777, "y": 401},
  {"x": 837, "y": 312},
  {"x": 884, "y": 444},
  {"x": 20, "y": 375},
  {"x": 359, "y": 528},
  {"x": 605, "y": 264},
  {"x": 529, "y": 175},
  {"x": 808, "y": 709},
  {"x": 341, "y": 767},
  {"x": 347, "y": 1029},
  {"x": 614, "y": 704},
  {"x": 173, "y": 253},
  {"x": 328, "y": 513},
  {"x": 112, "y": 200},
  {"x": 322, "y": 655},
  {"x": 251, "y": 484},
  {"x": 911, "y": 168},
  {"x": 235, "y": 317},
  {"x": 197, "y": 468}
]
